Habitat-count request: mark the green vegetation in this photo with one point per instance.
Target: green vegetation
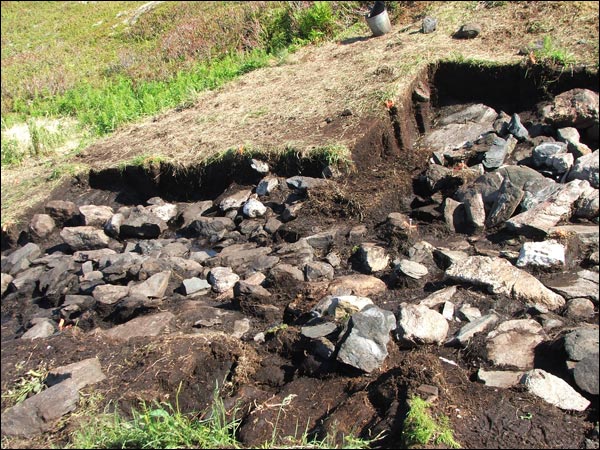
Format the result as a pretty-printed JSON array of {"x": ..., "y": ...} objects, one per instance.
[
  {"x": 420, "y": 428},
  {"x": 31, "y": 383},
  {"x": 549, "y": 53}
]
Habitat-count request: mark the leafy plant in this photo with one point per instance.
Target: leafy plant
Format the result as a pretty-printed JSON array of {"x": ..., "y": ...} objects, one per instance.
[
  {"x": 316, "y": 22},
  {"x": 420, "y": 428},
  {"x": 550, "y": 53},
  {"x": 11, "y": 153},
  {"x": 33, "y": 382}
]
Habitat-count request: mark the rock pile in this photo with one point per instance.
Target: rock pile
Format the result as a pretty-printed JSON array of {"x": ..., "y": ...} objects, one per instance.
[{"x": 122, "y": 273}]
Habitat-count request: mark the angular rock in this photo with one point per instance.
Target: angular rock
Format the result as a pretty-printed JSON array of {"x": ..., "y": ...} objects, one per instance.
[
  {"x": 152, "y": 325},
  {"x": 41, "y": 225},
  {"x": 468, "y": 313},
  {"x": 465, "y": 334},
  {"x": 291, "y": 211},
  {"x": 445, "y": 257},
  {"x": 581, "y": 342},
  {"x": 418, "y": 324},
  {"x": 547, "y": 254},
  {"x": 82, "y": 373},
  {"x": 372, "y": 257},
  {"x": 586, "y": 168},
  {"x": 543, "y": 153},
  {"x": 516, "y": 128},
  {"x": 501, "y": 277},
  {"x": 550, "y": 212},
  {"x": 242, "y": 257},
  {"x": 194, "y": 211},
  {"x": 499, "y": 150},
  {"x": 259, "y": 166},
  {"x": 109, "y": 294},
  {"x": 365, "y": 345},
  {"x": 323, "y": 240},
  {"x": 92, "y": 255},
  {"x": 513, "y": 342},
  {"x": 153, "y": 287},
  {"x": 235, "y": 200},
  {"x": 509, "y": 197},
  {"x": 266, "y": 186},
  {"x": 272, "y": 225},
  {"x": 588, "y": 205},
  {"x": 253, "y": 208},
  {"x": 39, "y": 413},
  {"x": 454, "y": 215},
  {"x": 586, "y": 374},
  {"x": 537, "y": 191},
  {"x": 213, "y": 228},
  {"x": 164, "y": 211},
  {"x": 21, "y": 258},
  {"x": 96, "y": 215},
  {"x": 113, "y": 225},
  {"x": 285, "y": 273},
  {"x": 455, "y": 135},
  {"x": 575, "y": 108},
  {"x": 61, "y": 211},
  {"x": 317, "y": 270},
  {"x": 43, "y": 328},
  {"x": 241, "y": 327},
  {"x": 222, "y": 279},
  {"x": 554, "y": 390},
  {"x": 143, "y": 225},
  {"x": 500, "y": 379},
  {"x": 474, "y": 211}
]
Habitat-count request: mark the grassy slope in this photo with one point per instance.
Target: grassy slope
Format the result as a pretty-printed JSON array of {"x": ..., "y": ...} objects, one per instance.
[{"x": 43, "y": 46}]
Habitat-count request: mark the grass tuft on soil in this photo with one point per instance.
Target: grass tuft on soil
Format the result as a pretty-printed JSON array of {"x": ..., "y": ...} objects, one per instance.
[{"x": 421, "y": 428}]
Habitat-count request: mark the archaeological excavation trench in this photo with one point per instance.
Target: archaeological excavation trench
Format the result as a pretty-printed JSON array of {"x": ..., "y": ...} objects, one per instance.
[{"x": 456, "y": 259}]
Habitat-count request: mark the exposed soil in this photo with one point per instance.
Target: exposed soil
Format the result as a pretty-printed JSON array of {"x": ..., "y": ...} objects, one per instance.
[{"x": 259, "y": 377}]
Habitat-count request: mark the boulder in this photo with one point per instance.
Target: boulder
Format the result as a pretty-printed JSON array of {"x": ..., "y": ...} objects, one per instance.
[
  {"x": 235, "y": 201},
  {"x": 82, "y": 373},
  {"x": 372, "y": 257},
  {"x": 41, "y": 225},
  {"x": 143, "y": 225},
  {"x": 254, "y": 208},
  {"x": 553, "y": 390},
  {"x": 586, "y": 168},
  {"x": 222, "y": 279},
  {"x": 418, "y": 324},
  {"x": 576, "y": 108},
  {"x": 581, "y": 342},
  {"x": 96, "y": 215},
  {"x": 545, "y": 254},
  {"x": 21, "y": 258},
  {"x": 63, "y": 212},
  {"x": 513, "y": 342},
  {"x": 586, "y": 374},
  {"x": 151, "y": 325}
]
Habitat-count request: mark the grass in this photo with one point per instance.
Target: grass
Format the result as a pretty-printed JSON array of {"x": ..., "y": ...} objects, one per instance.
[
  {"x": 420, "y": 428},
  {"x": 550, "y": 53}
]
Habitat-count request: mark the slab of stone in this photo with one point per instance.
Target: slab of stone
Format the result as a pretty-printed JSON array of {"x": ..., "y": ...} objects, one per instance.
[
  {"x": 477, "y": 113},
  {"x": 151, "y": 325},
  {"x": 581, "y": 342},
  {"x": 513, "y": 343},
  {"x": 439, "y": 297},
  {"x": 412, "y": 269},
  {"x": 454, "y": 215},
  {"x": 418, "y": 324},
  {"x": 82, "y": 373},
  {"x": 498, "y": 152},
  {"x": 475, "y": 211},
  {"x": 480, "y": 325},
  {"x": 153, "y": 287},
  {"x": 501, "y": 277},
  {"x": 445, "y": 257},
  {"x": 586, "y": 374},
  {"x": 323, "y": 240},
  {"x": 109, "y": 294},
  {"x": 92, "y": 255},
  {"x": 448, "y": 310},
  {"x": 320, "y": 330},
  {"x": 241, "y": 327},
  {"x": 455, "y": 135},
  {"x": 468, "y": 313},
  {"x": 302, "y": 183},
  {"x": 39, "y": 413},
  {"x": 84, "y": 238},
  {"x": 235, "y": 201},
  {"x": 365, "y": 345},
  {"x": 195, "y": 284},
  {"x": 546, "y": 254},
  {"x": 500, "y": 379},
  {"x": 554, "y": 390},
  {"x": 286, "y": 272},
  {"x": 341, "y": 306},
  {"x": 358, "y": 284},
  {"x": 583, "y": 285}
]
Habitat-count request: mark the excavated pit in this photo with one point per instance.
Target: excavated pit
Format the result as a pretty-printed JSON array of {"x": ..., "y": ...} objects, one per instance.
[{"x": 389, "y": 162}]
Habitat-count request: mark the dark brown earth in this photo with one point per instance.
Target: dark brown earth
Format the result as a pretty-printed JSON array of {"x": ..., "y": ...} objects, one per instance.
[{"x": 258, "y": 378}]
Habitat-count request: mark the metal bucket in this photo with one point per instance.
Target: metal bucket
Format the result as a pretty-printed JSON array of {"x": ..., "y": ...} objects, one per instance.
[{"x": 379, "y": 22}]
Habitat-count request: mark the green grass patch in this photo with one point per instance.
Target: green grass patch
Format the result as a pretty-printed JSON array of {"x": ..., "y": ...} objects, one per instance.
[
  {"x": 550, "y": 53},
  {"x": 420, "y": 428}
]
